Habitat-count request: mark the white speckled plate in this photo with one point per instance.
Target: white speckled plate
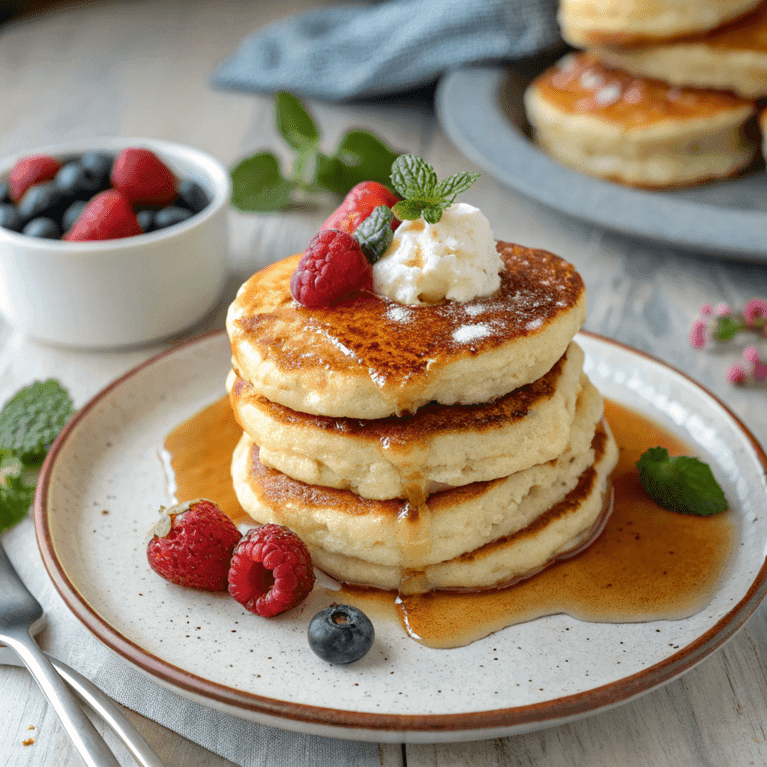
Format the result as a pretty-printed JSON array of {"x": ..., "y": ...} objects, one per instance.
[
  {"x": 480, "y": 108},
  {"x": 207, "y": 648}
]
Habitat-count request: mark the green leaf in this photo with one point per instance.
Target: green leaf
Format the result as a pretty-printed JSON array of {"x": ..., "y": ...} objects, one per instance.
[
  {"x": 414, "y": 178},
  {"x": 683, "y": 484},
  {"x": 455, "y": 184},
  {"x": 15, "y": 495},
  {"x": 294, "y": 123},
  {"x": 365, "y": 158},
  {"x": 258, "y": 184},
  {"x": 432, "y": 214},
  {"x": 727, "y": 328},
  {"x": 375, "y": 234},
  {"x": 408, "y": 210},
  {"x": 32, "y": 419},
  {"x": 331, "y": 175}
]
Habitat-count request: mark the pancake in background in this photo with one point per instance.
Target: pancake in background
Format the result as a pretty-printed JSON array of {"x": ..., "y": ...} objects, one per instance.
[
  {"x": 368, "y": 357},
  {"x": 731, "y": 58},
  {"x": 632, "y": 22},
  {"x": 637, "y": 131},
  {"x": 395, "y": 533},
  {"x": 438, "y": 446}
]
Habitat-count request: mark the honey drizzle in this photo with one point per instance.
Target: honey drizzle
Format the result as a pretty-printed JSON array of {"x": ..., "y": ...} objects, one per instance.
[{"x": 647, "y": 564}]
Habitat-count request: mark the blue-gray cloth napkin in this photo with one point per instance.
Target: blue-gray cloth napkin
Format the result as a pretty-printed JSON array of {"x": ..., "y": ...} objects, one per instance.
[{"x": 340, "y": 53}]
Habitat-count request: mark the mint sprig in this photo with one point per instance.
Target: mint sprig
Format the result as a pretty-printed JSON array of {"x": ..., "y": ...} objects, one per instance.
[
  {"x": 682, "y": 484},
  {"x": 258, "y": 183},
  {"x": 423, "y": 195},
  {"x": 29, "y": 422},
  {"x": 375, "y": 234}
]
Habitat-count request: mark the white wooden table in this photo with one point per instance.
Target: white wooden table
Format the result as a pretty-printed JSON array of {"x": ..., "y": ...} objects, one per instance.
[{"x": 142, "y": 69}]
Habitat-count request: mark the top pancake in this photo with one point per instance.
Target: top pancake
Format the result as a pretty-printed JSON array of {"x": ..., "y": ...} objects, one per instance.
[
  {"x": 369, "y": 357},
  {"x": 618, "y": 22},
  {"x": 732, "y": 58}
]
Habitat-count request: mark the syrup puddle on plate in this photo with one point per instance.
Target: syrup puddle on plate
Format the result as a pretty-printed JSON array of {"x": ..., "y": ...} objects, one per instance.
[{"x": 647, "y": 563}]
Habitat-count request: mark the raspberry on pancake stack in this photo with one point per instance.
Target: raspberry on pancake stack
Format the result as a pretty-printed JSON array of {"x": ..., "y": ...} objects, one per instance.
[
  {"x": 663, "y": 95},
  {"x": 432, "y": 445}
]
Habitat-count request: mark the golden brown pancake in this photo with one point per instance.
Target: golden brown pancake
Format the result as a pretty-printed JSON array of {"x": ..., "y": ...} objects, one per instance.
[
  {"x": 369, "y": 357},
  {"x": 638, "y": 131},
  {"x": 731, "y": 58},
  {"x": 411, "y": 534},
  {"x": 438, "y": 446},
  {"x": 644, "y": 22}
]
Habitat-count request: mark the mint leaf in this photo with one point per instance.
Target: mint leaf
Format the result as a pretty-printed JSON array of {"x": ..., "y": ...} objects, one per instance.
[
  {"x": 431, "y": 214},
  {"x": 423, "y": 196},
  {"x": 364, "y": 158},
  {"x": 413, "y": 178},
  {"x": 294, "y": 123},
  {"x": 683, "y": 484},
  {"x": 32, "y": 419},
  {"x": 455, "y": 184},
  {"x": 375, "y": 234},
  {"x": 15, "y": 495},
  {"x": 727, "y": 328},
  {"x": 258, "y": 184},
  {"x": 408, "y": 210}
]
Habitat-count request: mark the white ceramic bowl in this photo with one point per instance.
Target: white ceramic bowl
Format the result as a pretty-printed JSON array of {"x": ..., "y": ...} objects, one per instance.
[{"x": 129, "y": 291}]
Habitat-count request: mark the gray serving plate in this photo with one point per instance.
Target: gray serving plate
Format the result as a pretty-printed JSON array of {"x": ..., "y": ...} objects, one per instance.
[{"x": 480, "y": 108}]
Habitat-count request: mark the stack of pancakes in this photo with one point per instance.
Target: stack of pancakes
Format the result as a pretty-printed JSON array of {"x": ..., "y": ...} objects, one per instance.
[
  {"x": 450, "y": 446},
  {"x": 664, "y": 94}
]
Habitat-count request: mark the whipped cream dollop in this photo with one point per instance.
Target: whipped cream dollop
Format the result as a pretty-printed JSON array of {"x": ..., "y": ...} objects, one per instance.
[{"x": 454, "y": 259}]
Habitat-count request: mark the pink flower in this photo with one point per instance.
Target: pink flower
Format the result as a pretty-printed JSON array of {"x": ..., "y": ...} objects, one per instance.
[
  {"x": 698, "y": 334},
  {"x": 755, "y": 312},
  {"x": 735, "y": 374}
]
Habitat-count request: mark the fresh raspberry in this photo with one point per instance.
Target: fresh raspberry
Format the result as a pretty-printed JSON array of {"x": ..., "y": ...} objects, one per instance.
[
  {"x": 333, "y": 266},
  {"x": 143, "y": 178},
  {"x": 31, "y": 170},
  {"x": 192, "y": 545},
  {"x": 108, "y": 216},
  {"x": 271, "y": 571},
  {"x": 358, "y": 204}
]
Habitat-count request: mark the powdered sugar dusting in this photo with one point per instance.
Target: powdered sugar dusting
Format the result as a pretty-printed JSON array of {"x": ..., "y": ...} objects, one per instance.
[
  {"x": 534, "y": 324},
  {"x": 397, "y": 313},
  {"x": 468, "y": 333}
]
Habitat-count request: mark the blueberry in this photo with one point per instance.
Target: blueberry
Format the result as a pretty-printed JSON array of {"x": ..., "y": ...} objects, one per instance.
[
  {"x": 5, "y": 192},
  {"x": 75, "y": 182},
  {"x": 42, "y": 200},
  {"x": 98, "y": 166},
  {"x": 340, "y": 634},
  {"x": 71, "y": 214},
  {"x": 42, "y": 227},
  {"x": 10, "y": 218},
  {"x": 171, "y": 215},
  {"x": 192, "y": 196},
  {"x": 146, "y": 219}
]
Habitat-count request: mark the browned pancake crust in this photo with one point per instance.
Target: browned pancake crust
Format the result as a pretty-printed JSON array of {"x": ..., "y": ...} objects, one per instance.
[
  {"x": 366, "y": 335},
  {"x": 584, "y": 85},
  {"x": 279, "y": 491},
  {"x": 427, "y": 421}
]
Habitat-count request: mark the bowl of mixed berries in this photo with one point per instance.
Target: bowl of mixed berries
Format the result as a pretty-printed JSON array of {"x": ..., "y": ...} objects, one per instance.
[{"x": 111, "y": 242}]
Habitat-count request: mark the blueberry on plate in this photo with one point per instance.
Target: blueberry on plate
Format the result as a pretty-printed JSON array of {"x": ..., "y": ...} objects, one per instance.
[
  {"x": 340, "y": 634},
  {"x": 171, "y": 215},
  {"x": 71, "y": 214},
  {"x": 192, "y": 196},
  {"x": 10, "y": 218},
  {"x": 43, "y": 227}
]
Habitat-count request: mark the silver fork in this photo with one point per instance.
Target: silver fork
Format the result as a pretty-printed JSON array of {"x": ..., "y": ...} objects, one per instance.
[{"x": 20, "y": 613}]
